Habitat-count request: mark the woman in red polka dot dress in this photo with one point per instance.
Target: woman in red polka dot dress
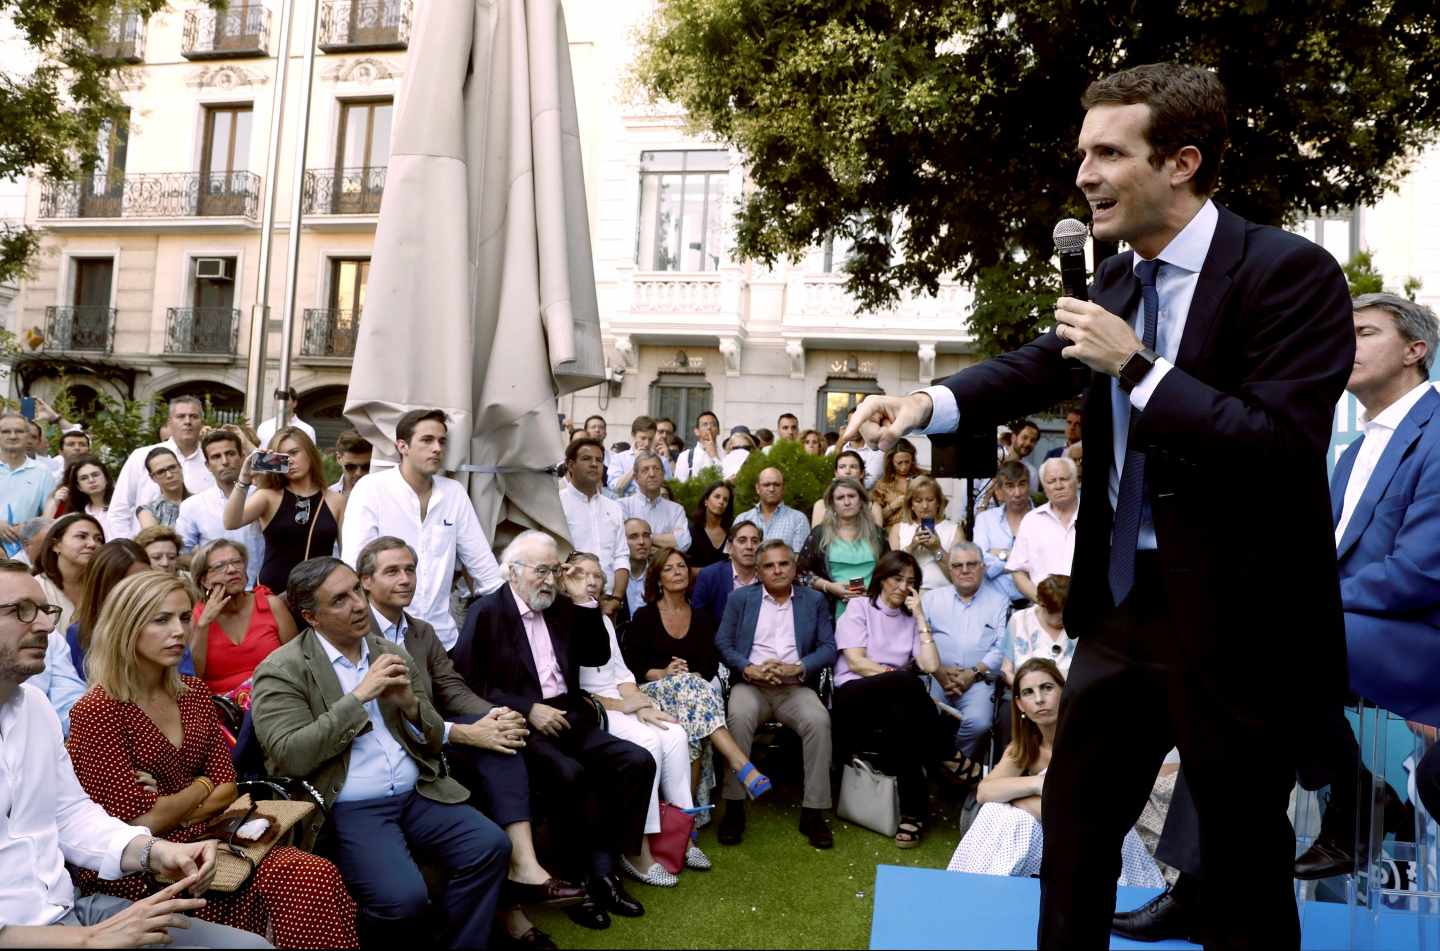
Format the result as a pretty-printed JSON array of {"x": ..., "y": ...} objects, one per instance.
[{"x": 148, "y": 748}]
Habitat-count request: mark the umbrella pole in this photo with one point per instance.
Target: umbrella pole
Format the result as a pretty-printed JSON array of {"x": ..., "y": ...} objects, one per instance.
[{"x": 297, "y": 208}]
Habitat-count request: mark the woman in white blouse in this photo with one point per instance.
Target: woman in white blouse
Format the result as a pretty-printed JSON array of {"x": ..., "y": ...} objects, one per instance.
[
  {"x": 1039, "y": 630},
  {"x": 925, "y": 532},
  {"x": 631, "y": 715}
]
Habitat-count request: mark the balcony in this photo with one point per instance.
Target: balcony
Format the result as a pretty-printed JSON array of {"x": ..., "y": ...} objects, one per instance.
[
  {"x": 86, "y": 328},
  {"x": 820, "y": 312},
  {"x": 350, "y": 26},
  {"x": 153, "y": 198},
  {"x": 123, "y": 40},
  {"x": 329, "y": 335},
  {"x": 201, "y": 334},
  {"x": 240, "y": 30},
  {"x": 343, "y": 191}
]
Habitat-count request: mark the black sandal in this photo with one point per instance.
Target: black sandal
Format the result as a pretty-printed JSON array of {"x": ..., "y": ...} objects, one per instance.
[
  {"x": 907, "y": 835},
  {"x": 962, "y": 773}
]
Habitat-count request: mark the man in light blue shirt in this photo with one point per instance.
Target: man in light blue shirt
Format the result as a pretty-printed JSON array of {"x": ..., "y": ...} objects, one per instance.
[
  {"x": 968, "y": 619},
  {"x": 667, "y": 519},
  {"x": 995, "y": 527},
  {"x": 638, "y": 539},
  {"x": 25, "y": 484},
  {"x": 620, "y": 470},
  {"x": 775, "y": 518}
]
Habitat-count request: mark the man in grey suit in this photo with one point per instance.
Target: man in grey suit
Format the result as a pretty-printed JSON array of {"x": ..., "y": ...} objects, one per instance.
[{"x": 776, "y": 638}]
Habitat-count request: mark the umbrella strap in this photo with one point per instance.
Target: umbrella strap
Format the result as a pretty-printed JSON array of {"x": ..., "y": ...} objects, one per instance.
[{"x": 554, "y": 470}]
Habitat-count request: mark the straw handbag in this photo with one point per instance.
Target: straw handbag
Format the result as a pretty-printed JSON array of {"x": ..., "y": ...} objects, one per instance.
[{"x": 238, "y": 857}]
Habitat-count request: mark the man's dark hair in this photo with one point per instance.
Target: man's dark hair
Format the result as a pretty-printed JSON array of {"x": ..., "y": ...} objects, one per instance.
[
  {"x": 831, "y": 437},
  {"x": 352, "y": 441},
  {"x": 156, "y": 453},
  {"x": 784, "y": 416},
  {"x": 218, "y": 435},
  {"x": 642, "y": 424},
  {"x": 75, "y": 434},
  {"x": 1187, "y": 107},
  {"x": 765, "y": 437},
  {"x": 586, "y": 424},
  {"x": 706, "y": 412},
  {"x": 38, "y": 429},
  {"x": 665, "y": 419},
  {"x": 572, "y": 451},
  {"x": 365, "y": 561},
  {"x": 1012, "y": 472},
  {"x": 406, "y": 427},
  {"x": 1020, "y": 425},
  {"x": 736, "y": 526},
  {"x": 305, "y": 579}
]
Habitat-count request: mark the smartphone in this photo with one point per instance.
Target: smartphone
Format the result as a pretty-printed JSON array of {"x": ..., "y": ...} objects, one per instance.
[
  {"x": 27, "y": 407},
  {"x": 928, "y": 524},
  {"x": 856, "y": 584},
  {"x": 271, "y": 461}
]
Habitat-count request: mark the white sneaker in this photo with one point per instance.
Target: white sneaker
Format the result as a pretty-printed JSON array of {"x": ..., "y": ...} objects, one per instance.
[
  {"x": 696, "y": 859},
  {"x": 657, "y": 875}
]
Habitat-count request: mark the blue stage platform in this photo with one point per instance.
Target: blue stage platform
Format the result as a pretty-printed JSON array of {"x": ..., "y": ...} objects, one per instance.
[{"x": 932, "y": 908}]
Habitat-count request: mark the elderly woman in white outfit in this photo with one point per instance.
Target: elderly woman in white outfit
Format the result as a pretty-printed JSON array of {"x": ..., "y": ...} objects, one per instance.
[{"x": 631, "y": 715}]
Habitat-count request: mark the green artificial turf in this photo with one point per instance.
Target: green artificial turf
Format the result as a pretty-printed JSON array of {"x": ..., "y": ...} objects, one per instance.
[{"x": 771, "y": 891}]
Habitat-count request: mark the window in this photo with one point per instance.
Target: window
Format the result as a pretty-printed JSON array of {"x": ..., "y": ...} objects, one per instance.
[
  {"x": 682, "y": 210},
  {"x": 680, "y": 397},
  {"x": 361, "y": 152},
  {"x": 213, "y": 318},
  {"x": 834, "y": 252},
  {"x": 89, "y": 325},
  {"x": 224, "y": 188},
  {"x": 837, "y": 398},
  {"x": 348, "y": 277},
  {"x": 102, "y": 192}
]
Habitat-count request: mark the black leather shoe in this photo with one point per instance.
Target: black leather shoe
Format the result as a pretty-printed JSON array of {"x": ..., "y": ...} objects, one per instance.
[
  {"x": 551, "y": 893},
  {"x": 1325, "y": 857},
  {"x": 816, "y": 829},
  {"x": 589, "y": 914},
  {"x": 612, "y": 896},
  {"x": 1166, "y": 916},
  {"x": 533, "y": 940},
  {"x": 732, "y": 824}
]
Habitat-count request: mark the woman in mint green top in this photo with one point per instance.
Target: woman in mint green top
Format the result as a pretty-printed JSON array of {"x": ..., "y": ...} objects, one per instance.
[{"x": 840, "y": 555}]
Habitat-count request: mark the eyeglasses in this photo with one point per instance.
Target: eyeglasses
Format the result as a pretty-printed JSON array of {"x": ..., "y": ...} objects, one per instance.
[
  {"x": 225, "y": 566},
  {"x": 966, "y": 566},
  {"x": 25, "y": 611},
  {"x": 302, "y": 511},
  {"x": 544, "y": 571},
  {"x": 166, "y": 471}
]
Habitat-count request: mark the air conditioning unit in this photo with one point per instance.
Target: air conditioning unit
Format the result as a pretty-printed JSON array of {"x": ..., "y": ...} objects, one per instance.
[{"x": 214, "y": 269}]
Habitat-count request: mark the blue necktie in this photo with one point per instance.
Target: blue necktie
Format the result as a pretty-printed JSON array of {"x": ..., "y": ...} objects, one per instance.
[{"x": 1126, "y": 531}]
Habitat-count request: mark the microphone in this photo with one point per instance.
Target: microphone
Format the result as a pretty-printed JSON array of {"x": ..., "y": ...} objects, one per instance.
[{"x": 1070, "y": 236}]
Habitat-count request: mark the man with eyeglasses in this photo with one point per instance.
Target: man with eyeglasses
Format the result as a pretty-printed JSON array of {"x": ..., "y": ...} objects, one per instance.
[
  {"x": 202, "y": 515},
  {"x": 430, "y": 513},
  {"x": 134, "y": 487},
  {"x": 522, "y": 647},
  {"x": 46, "y": 820},
  {"x": 968, "y": 620}
]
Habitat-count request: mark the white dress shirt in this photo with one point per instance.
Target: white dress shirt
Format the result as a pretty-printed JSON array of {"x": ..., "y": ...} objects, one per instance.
[
  {"x": 383, "y": 503},
  {"x": 379, "y": 765},
  {"x": 1044, "y": 546},
  {"x": 597, "y": 525},
  {"x": 1181, "y": 262},
  {"x": 202, "y": 520},
  {"x": 134, "y": 487},
  {"x": 1375, "y": 436},
  {"x": 46, "y": 819},
  {"x": 697, "y": 458},
  {"x": 663, "y": 516}
]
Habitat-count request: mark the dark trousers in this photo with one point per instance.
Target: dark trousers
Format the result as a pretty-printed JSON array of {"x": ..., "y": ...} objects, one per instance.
[
  {"x": 376, "y": 842},
  {"x": 1132, "y": 696},
  {"x": 499, "y": 783},
  {"x": 892, "y": 717},
  {"x": 597, "y": 788}
]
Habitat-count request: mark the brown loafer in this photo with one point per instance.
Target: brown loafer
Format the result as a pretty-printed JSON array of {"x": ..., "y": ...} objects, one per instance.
[{"x": 551, "y": 893}]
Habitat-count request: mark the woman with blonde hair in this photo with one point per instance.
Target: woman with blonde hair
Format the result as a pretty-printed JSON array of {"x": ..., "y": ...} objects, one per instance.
[
  {"x": 148, "y": 749},
  {"x": 840, "y": 555},
  {"x": 299, "y": 517},
  {"x": 925, "y": 532}
]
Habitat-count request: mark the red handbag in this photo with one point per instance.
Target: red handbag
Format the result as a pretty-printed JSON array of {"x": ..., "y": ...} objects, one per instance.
[{"x": 673, "y": 840}]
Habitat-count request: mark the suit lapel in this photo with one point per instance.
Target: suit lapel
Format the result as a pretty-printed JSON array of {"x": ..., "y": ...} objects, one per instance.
[
  {"x": 1405, "y": 436},
  {"x": 511, "y": 616},
  {"x": 320, "y": 669},
  {"x": 1227, "y": 247},
  {"x": 560, "y": 645},
  {"x": 1340, "y": 479}
]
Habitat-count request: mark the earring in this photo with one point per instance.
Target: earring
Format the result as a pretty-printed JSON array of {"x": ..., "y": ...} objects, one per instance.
[{"x": 1024, "y": 717}]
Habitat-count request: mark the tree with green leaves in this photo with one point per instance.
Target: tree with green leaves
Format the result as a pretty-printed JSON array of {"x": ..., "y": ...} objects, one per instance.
[
  {"x": 938, "y": 136},
  {"x": 51, "y": 116}
]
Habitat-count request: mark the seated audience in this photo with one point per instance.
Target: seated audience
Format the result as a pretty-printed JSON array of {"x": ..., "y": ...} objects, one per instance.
[
  {"x": 164, "y": 468},
  {"x": 202, "y": 515},
  {"x": 968, "y": 618},
  {"x": 668, "y": 521},
  {"x": 481, "y": 739},
  {"x": 1005, "y": 838},
  {"x": 775, "y": 638},
  {"x": 161, "y": 544},
  {"x": 840, "y": 554},
  {"x": 881, "y": 705},
  {"x": 925, "y": 533},
  {"x": 234, "y": 629},
  {"x": 87, "y": 488},
  {"x": 710, "y": 525},
  {"x": 1045, "y": 543},
  {"x": 346, "y": 710},
  {"x": 812, "y": 442},
  {"x": 848, "y": 465},
  {"x": 522, "y": 647},
  {"x": 64, "y": 556},
  {"x": 148, "y": 748},
  {"x": 1039, "y": 630},
  {"x": 30, "y": 537},
  {"x": 112, "y": 563},
  {"x": 714, "y": 584},
  {"x": 775, "y": 518},
  {"x": 996, "y": 527},
  {"x": 631, "y": 715},
  {"x": 47, "y": 821},
  {"x": 639, "y": 541},
  {"x": 889, "y": 492}
]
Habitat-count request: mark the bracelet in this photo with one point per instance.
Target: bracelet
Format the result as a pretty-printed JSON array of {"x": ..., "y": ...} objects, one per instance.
[
  {"x": 207, "y": 783},
  {"x": 240, "y": 485},
  {"x": 145, "y": 856}
]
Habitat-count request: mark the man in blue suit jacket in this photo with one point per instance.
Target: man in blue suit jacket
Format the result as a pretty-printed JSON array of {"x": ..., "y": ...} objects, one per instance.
[
  {"x": 776, "y": 637},
  {"x": 717, "y": 581}
]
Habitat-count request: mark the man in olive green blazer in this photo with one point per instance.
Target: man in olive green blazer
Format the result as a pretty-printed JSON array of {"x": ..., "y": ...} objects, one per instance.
[{"x": 344, "y": 709}]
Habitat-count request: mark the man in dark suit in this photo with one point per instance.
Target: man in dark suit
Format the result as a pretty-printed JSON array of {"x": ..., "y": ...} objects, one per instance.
[
  {"x": 1214, "y": 345},
  {"x": 776, "y": 637},
  {"x": 717, "y": 581},
  {"x": 522, "y": 647}
]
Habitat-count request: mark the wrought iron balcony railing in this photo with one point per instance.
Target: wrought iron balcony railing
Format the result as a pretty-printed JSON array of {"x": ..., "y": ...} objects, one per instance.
[
  {"x": 242, "y": 29},
  {"x": 352, "y": 25},
  {"x": 123, "y": 39},
  {"x": 343, "y": 191},
  {"x": 168, "y": 195},
  {"x": 202, "y": 330},
  {"x": 88, "y": 327},
  {"x": 330, "y": 332}
]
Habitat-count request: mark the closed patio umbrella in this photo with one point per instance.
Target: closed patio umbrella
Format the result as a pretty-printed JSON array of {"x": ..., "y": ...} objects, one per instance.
[{"x": 481, "y": 299}]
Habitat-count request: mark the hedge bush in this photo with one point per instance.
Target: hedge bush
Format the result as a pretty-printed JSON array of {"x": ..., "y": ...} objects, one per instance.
[{"x": 806, "y": 478}]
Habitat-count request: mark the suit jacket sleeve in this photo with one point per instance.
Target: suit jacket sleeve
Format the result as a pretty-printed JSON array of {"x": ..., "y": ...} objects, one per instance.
[
  {"x": 1016, "y": 384},
  {"x": 727, "y": 637},
  {"x": 1298, "y": 347},
  {"x": 589, "y": 641},
  {"x": 1408, "y": 579},
  {"x": 452, "y": 694},
  {"x": 296, "y": 742},
  {"x": 824, "y": 653},
  {"x": 475, "y": 654}
]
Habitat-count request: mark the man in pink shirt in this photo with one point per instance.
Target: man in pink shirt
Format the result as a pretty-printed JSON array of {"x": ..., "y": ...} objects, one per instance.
[{"x": 522, "y": 647}]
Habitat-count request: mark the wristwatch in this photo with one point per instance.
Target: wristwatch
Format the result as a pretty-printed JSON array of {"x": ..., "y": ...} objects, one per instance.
[{"x": 1133, "y": 370}]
